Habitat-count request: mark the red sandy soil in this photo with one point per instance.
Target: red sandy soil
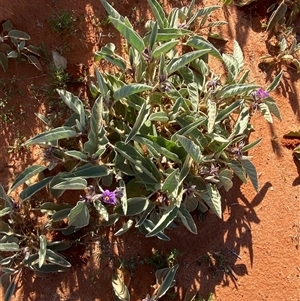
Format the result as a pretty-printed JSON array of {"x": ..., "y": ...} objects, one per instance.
[{"x": 262, "y": 229}]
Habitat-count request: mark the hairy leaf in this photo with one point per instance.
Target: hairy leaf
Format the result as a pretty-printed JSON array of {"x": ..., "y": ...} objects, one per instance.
[
  {"x": 79, "y": 216},
  {"x": 34, "y": 188},
  {"x": 128, "y": 90},
  {"x": 184, "y": 60},
  {"x": 201, "y": 43},
  {"x": 125, "y": 228},
  {"x": 168, "y": 216},
  {"x": 27, "y": 174},
  {"x": 251, "y": 171},
  {"x": 274, "y": 84},
  {"x": 135, "y": 206},
  {"x": 158, "y": 13},
  {"x": 42, "y": 250},
  {"x": 77, "y": 183},
  {"x": 129, "y": 34},
  {"x": 140, "y": 120},
  {"x": 187, "y": 219},
  {"x": 167, "y": 281},
  {"x": 191, "y": 148},
  {"x": 62, "y": 132}
]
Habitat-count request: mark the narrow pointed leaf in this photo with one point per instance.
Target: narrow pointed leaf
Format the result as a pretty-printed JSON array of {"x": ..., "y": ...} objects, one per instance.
[
  {"x": 42, "y": 250},
  {"x": 273, "y": 108},
  {"x": 191, "y": 148},
  {"x": 213, "y": 199},
  {"x": 71, "y": 184},
  {"x": 62, "y": 132},
  {"x": 171, "y": 182},
  {"x": 167, "y": 281},
  {"x": 200, "y": 43},
  {"x": 96, "y": 137},
  {"x": 168, "y": 216},
  {"x": 55, "y": 258},
  {"x": 34, "y": 188},
  {"x": 125, "y": 228},
  {"x": 187, "y": 219},
  {"x": 238, "y": 170},
  {"x": 141, "y": 119},
  {"x": 249, "y": 146},
  {"x": 129, "y": 153},
  {"x": 164, "y": 48},
  {"x": 129, "y": 34},
  {"x": 74, "y": 103},
  {"x": 235, "y": 89},
  {"x": 128, "y": 90},
  {"x": 149, "y": 225},
  {"x": 238, "y": 55},
  {"x": 77, "y": 154},
  {"x": 88, "y": 171},
  {"x": 158, "y": 13},
  {"x": 153, "y": 36},
  {"x": 135, "y": 206},
  {"x": 9, "y": 247},
  {"x": 4, "y": 61},
  {"x": 277, "y": 15},
  {"x": 10, "y": 291},
  {"x": 110, "y": 10},
  {"x": 274, "y": 84},
  {"x": 251, "y": 171},
  {"x": 184, "y": 60},
  {"x": 212, "y": 112},
  {"x": 28, "y": 173}
]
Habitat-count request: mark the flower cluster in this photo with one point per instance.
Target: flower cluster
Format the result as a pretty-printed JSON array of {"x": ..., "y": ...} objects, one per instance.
[
  {"x": 237, "y": 150},
  {"x": 258, "y": 97},
  {"x": 210, "y": 174}
]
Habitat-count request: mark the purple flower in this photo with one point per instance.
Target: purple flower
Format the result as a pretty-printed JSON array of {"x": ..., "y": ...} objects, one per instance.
[
  {"x": 190, "y": 190},
  {"x": 213, "y": 84},
  {"x": 259, "y": 95},
  {"x": 237, "y": 150},
  {"x": 109, "y": 197}
]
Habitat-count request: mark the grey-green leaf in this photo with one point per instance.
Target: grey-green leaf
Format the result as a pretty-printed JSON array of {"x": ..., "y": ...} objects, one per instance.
[
  {"x": 17, "y": 34},
  {"x": 251, "y": 171},
  {"x": 275, "y": 82},
  {"x": 132, "y": 37},
  {"x": 135, "y": 206},
  {"x": 200, "y": 43},
  {"x": 55, "y": 258},
  {"x": 213, "y": 199},
  {"x": 191, "y": 148},
  {"x": 76, "y": 183},
  {"x": 62, "y": 132},
  {"x": 168, "y": 216},
  {"x": 139, "y": 122},
  {"x": 42, "y": 250},
  {"x": 187, "y": 219},
  {"x": 128, "y": 90},
  {"x": 28, "y": 173},
  {"x": 167, "y": 281},
  {"x": 10, "y": 291},
  {"x": 184, "y": 60},
  {"x": 158, "y": 13},
  {"x": 34, "y": 188},
  {"x": 124, "y": 228},
  {"x": 277, "y": 15},
  {"x": 9, "y": 247},
  {"x": 74, "y": 103},
  {"x": 79, "y": 216}
]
